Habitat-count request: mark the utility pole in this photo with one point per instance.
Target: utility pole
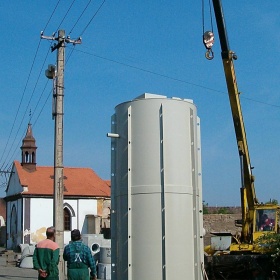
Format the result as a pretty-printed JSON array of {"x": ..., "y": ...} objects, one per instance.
[{"x": 58, "y": 113}]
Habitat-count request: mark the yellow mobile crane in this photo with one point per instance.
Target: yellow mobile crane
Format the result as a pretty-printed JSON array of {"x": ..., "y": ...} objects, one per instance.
[{"x": 257, "y": 218}]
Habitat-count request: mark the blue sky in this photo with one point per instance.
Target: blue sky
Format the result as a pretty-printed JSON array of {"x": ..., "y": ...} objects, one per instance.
[{"x": 132, "y": 47}]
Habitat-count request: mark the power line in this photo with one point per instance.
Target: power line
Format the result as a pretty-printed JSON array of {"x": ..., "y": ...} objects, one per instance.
[
  {"x": 34, "y": 124},
  {"x": 79, "y": 17},
  {"x": 29, "y": 75},
  {"x": 94, "y": 15},
  {"x": 39, "y": 114},
  {"x": 173, "y": 78},
  {"x": 5, "y": 174},
  {"x": 24, "y": 91},
  {"x": 51, "y": 15},
  {"x": 48, "y": 97},
  {"x": 103, "y": 58},
  {"x": 15, "y": 150},
  {"x": 37, "y": 104},
  {"x": 43, "y": 66},
  {"x": 65, "y": 15},
  {"x": 47, "y": 82},
  {"x": 34, "y": 111},
  {"x": 15, "y": 137},
  {"x": 68, "y": 55}
]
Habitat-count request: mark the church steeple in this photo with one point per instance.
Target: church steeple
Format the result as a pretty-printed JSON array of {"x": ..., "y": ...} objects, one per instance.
[{"x": 28, "y": 150}]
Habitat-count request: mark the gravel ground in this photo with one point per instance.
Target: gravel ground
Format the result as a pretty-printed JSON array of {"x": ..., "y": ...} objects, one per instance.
[{"x": 12, "y": 272}]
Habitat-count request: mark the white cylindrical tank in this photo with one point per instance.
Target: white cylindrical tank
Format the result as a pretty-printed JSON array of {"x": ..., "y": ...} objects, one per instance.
[{"x": 156, "y": 215}]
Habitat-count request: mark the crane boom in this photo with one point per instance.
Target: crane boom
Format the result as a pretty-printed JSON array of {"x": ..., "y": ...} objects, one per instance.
[
  {"x": 258, "y": 219},
  {"x": 248, "y": 195}
]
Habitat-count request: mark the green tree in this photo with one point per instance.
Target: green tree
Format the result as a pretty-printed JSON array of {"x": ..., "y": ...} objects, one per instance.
[
  {"x": 205, "y": 207},
  {"x": 272, "y": 201},
  {"x": 270, "y": 244},
  {"x": 223, "y": 210}
]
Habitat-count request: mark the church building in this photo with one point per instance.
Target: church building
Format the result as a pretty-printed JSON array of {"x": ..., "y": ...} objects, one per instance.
[{"x": 29, "y": 199}]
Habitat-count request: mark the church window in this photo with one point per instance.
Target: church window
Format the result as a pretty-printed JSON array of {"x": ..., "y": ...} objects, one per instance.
[
  {"x": 67, "y": 219},
  {"x": 26, "y": 157}
]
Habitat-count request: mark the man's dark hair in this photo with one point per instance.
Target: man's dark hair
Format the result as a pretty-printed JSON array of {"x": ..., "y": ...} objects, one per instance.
[
  {"x": 50, "y": 232},
  {"x": 75, "y": 235}
]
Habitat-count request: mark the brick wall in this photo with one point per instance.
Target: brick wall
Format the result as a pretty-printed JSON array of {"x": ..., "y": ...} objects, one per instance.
[{"x": 223, "y": 210}]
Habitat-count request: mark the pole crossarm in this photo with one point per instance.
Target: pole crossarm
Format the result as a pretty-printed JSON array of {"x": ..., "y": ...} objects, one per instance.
[{"x": 61, "y": 40}]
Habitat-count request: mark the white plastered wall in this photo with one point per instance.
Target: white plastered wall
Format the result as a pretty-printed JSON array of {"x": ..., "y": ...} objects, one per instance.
[{"x": 41, "y": 211}]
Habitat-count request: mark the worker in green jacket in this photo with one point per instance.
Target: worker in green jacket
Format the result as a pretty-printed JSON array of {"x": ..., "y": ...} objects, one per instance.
[
  {"x": 46, "y": 257},
  {"x": 79, "y": 258}
]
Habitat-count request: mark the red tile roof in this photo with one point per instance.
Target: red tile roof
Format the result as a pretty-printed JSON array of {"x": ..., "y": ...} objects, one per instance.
[
  {"x": 108, "y": 183},
  {"x": 77, "y": 181}
]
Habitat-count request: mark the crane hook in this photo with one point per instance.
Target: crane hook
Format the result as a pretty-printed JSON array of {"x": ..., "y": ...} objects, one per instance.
[
  {"x": 209, "y": 54},
  {"x": 208, "y": 41}
]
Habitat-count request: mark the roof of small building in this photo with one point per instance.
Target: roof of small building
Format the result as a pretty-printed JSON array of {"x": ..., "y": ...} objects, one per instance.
[
  {"x": 77, "y": 181},
  {"x": 108, "y": 183}
]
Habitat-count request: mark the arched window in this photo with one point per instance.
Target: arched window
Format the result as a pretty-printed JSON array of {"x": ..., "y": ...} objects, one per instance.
[
  {"x": 13, "y": 226},
  {"x": 67, "y": 219},
  {"x": 26, "y": 157},
  {"x": 33, "y": 160}
]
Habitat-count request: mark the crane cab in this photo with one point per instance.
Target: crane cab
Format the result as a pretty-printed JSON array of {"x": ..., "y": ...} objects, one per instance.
[{"x": 265, "y": 220}]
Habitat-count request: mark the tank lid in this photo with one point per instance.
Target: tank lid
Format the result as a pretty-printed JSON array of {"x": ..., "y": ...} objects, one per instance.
[
  {"x": 149, "y": 95},
  {"x": 159, "y": 96}
]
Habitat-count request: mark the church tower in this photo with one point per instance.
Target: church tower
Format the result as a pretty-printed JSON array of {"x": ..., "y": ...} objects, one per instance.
[{"x": 28, "y": 150}]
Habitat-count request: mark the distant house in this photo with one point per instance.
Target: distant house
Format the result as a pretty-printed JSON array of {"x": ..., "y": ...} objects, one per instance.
[{"x": 29, "y": 199}]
